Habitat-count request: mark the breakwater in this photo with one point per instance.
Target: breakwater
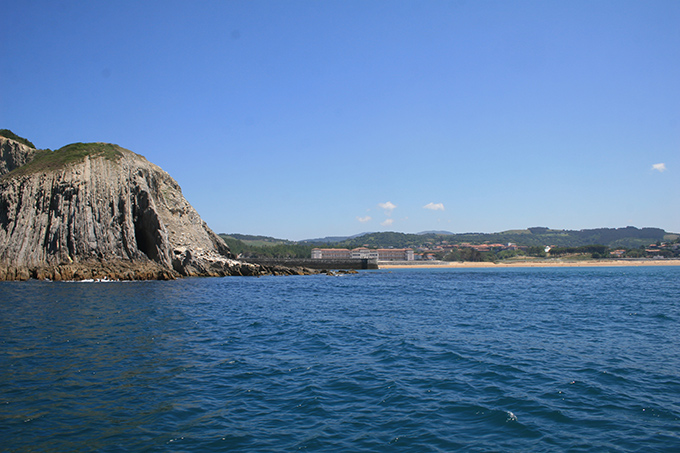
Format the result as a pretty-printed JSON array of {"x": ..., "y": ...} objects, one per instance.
[{"x": 317, "y": 263}]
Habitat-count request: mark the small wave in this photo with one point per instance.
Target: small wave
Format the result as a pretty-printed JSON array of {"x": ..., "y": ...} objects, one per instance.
[{"x": 662, "y": 317}]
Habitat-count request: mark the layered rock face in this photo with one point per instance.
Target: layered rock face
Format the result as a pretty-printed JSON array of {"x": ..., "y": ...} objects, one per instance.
[
  {"x": 101, "y": 211},
  {"x": 13, "y": 155}
]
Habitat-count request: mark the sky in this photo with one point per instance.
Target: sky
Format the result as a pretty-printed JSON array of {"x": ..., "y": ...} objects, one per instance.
[{"x": 305, "y": 119}]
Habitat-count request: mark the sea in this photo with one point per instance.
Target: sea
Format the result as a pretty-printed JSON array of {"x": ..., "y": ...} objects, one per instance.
[{"x": 412, "y": 360}]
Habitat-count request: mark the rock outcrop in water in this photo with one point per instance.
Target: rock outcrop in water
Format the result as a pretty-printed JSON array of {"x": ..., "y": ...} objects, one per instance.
[{"x": 99, "y": 211}]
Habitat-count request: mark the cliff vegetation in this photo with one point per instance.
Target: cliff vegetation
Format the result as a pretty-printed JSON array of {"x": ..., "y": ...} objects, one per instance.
[
  {"x": 11, "y": 135},
  {"x": 47, "y": 160}
]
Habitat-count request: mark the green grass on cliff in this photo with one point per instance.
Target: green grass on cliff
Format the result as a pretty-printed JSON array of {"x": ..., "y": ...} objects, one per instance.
[
  {"x": 46, "y": 160},
  {"x": 11, "y": 135}
]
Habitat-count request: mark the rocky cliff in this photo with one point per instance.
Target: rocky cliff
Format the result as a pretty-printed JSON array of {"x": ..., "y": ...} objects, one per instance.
[
  {"x": 97, "y": 210},
  {"x": 13, "y": 155}
]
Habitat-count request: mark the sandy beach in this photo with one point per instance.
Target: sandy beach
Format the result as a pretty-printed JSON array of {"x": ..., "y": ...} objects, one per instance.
[{"x": 528, "y": 263}]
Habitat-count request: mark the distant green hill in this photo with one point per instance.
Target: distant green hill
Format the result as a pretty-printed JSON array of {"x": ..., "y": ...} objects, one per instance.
[
  {"x": 613, "y": 238},
  {"x": 629, "y": 237},
  {"x": 261, "y": 241},
  {"x": 249, "y": 246}
]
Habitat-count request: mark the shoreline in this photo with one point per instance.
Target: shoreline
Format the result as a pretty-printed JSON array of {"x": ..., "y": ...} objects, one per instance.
[{"x": 536, "y": 263}]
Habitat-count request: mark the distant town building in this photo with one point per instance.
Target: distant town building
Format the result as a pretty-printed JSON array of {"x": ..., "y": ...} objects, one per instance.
[
  {"x": 424, "y": 256},
  {"x": 330, "y": 254},
  {"x": 364, "y": 253},
  {"x": 395, "y": 255}
]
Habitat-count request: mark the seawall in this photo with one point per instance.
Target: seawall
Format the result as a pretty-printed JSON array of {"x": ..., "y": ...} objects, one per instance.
[{"x": 316, "y": 263}]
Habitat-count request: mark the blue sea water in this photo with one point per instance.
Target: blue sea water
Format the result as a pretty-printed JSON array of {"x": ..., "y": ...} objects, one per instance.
[{"x": 569, "y": 359}]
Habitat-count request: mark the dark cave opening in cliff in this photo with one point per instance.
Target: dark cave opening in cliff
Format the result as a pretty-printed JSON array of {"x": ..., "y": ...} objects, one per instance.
[
  {"x": 146, "y": 241},
  {"x": 147, "y": 227}
]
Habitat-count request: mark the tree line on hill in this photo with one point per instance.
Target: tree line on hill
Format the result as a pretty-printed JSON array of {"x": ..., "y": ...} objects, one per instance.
[
  {"x": 629, "y": 237},
  {"x": 274, "y": 248},
  {"x": 595, "y": 243}
]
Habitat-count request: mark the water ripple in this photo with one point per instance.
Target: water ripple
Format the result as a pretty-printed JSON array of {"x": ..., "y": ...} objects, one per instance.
[{"x": 470, "y": 360}]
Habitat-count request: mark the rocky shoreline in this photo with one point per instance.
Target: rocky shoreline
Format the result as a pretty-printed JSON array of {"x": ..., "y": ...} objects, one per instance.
[{"x": 121, "y": 270}]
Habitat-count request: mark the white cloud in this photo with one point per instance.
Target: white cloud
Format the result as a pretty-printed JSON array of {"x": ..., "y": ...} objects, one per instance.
[
  {"x": 364, "y": 219},
  {"x": 389, "y": 206},
  {"x": 387, "y": 222},
  {"x": 659, "y": 167},
  {"x": 434, "y": 206}
]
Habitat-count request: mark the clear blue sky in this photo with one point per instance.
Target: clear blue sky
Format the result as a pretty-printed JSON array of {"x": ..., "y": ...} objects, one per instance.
[{"x": 302, "y": 119}]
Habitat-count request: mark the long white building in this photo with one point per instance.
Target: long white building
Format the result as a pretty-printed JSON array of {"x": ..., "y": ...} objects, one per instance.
[{"x": 364, "y": 253}]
